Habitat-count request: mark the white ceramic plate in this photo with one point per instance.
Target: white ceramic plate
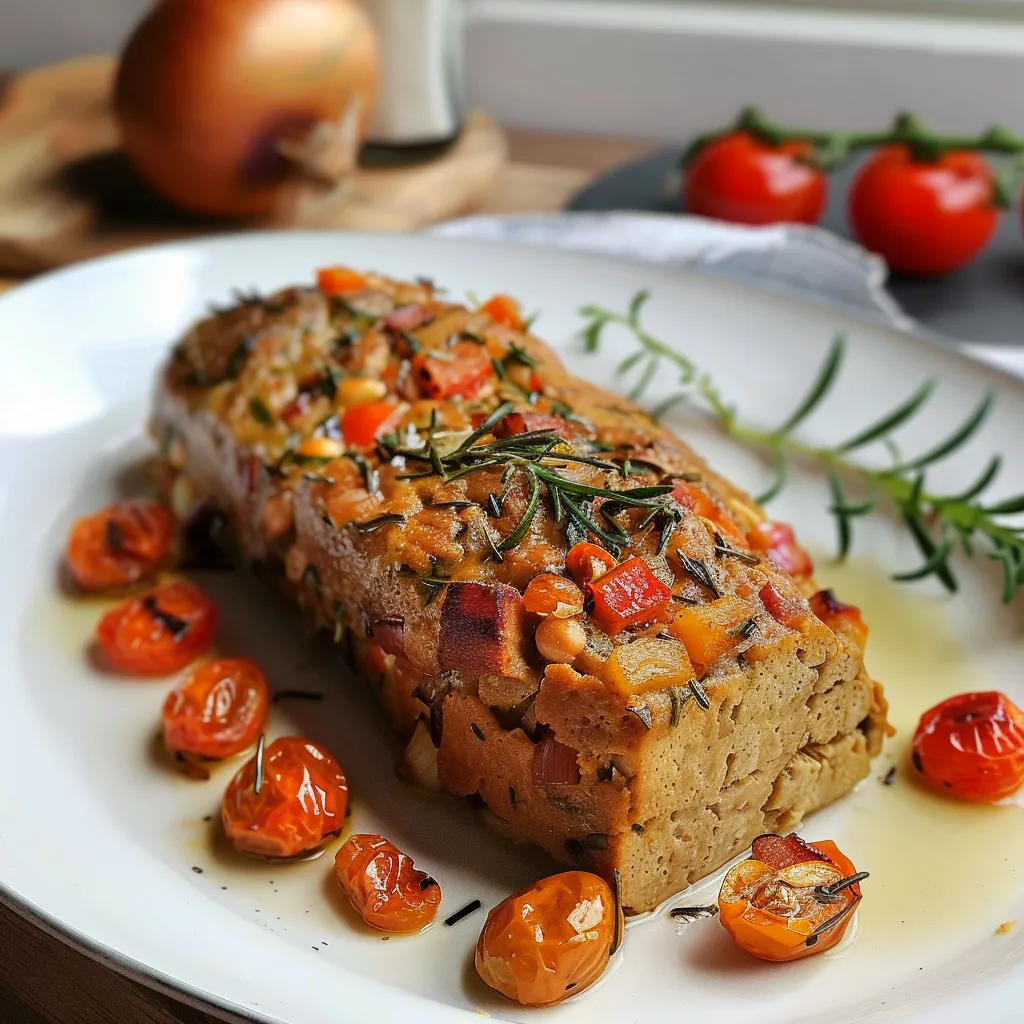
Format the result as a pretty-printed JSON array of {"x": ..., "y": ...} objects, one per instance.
[{"x": 107, "y": 846}]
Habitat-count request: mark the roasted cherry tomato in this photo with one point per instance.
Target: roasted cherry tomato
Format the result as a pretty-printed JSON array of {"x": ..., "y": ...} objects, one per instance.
[
  {"x": 123, "y": 544},
  {"x": 738, "y": 178},
  {"x": 790, "y": 899},
  {"x": 840, "y": 617},
  {"x": 161, "y": 632},
  {"x": 384, "y": 887},
  {"x": 503, "y": 309},
  {"x": 550, "y": 941},
  {"x": 627, "y": 595},
  {"x": 586, "y": 561},
  {"x": 924, "y": 216},
  {"x": 777, "y": 543},
  {"x": 300, "y": 800},
  {"x": 339, "y": 281},
  {"x": 459, "y": 371},
  {"x": 361, "y": 424},
  {"x": 972, "y": 747},
  {"x": 218, "y": 711}
]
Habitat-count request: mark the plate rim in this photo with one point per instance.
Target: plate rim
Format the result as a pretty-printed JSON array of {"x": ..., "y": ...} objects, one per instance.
[{"x": 178, "y": 988}]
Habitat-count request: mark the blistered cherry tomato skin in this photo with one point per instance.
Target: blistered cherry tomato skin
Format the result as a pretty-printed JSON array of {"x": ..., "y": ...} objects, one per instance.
[
  {"x": 923, "y": 217},
  {"x": 972, "y": 747},
  {"x": 839, "y": 616},
  {"x": 383, "y": 885},
  {"x": 550, "y": 941},
  {"x": 738, "y": 178},
  {"x": 302, "y": 800},
  {"x": 159, "y": 633},
  {"x": 217, "y": 712},
  {"x": 773, "y": 904},
  {"x": 120, "y": 545},
  {"x": 587, "y": 561}
]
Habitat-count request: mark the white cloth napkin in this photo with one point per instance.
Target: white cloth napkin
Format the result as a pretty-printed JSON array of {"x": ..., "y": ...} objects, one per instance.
[{"x": 804, "y": 262}]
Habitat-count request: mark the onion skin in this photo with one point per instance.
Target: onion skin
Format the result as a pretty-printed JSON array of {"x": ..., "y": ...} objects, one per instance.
[{"x": 206, "y": 90}]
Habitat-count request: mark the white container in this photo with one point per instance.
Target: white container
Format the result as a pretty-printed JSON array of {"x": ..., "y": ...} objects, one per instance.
[{"x": 422, "y": 96}]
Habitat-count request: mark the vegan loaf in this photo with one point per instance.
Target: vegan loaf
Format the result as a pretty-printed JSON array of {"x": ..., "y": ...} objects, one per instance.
[{"x": 407, "y": 467}]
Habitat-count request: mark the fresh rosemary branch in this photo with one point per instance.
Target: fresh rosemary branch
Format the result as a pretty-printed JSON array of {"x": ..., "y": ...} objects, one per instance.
[
  {"x": 938, "y": 523},
  {"x": 541, "y": 457}
]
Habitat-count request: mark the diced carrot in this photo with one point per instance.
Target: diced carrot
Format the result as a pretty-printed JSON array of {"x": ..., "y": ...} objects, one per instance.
[
  {"x": 710, "y": 630},
  {"x": 339, "y": 281},
  {"x": 697, "y": 500},
  {"x": 503, "y": 309}
]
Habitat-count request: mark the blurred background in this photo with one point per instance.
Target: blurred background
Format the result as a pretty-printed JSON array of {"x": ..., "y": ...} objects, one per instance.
[{"x": 403, "y": 114}]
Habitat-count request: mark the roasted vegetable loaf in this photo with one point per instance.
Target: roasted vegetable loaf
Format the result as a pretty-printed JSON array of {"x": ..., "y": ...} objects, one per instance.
[{"x": 567, "y": 615}]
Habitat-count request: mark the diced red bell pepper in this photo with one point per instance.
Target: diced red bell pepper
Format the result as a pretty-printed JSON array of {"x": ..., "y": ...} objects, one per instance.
[
  {"x": 503, "y": 309},
  {"x": 459, "y": 371},
  {"x": 361, "y": 424},
  {"x": 777, "y": 543},
  {"x": 781, "y": 608},
  {"x": 690, "y": 496},
  {"x": 339, "y": 281},
  {"x": 627, "y": 595},
  {"x": 839, "y": 616}
]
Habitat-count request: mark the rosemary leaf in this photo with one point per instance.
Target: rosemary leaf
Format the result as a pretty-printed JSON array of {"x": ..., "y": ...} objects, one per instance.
[
  {"x": 960, "y": 436},
  {"x": 890, "y": 421},
  {"x": 819, "y": 389},
  {"x": 781, "y": 476}
]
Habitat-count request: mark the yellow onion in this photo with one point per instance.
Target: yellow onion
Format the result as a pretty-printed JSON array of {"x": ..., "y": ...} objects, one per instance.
[{"x": 211, "y": 94}]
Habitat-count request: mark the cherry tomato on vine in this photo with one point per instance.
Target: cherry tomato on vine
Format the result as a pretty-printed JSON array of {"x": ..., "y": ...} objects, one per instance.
[
  {"x": 739, "y": 178},
  {"x": 550, "y": 941},
  {"x": 119, "y": 545},
  {"x": 159, "y": 633},
  {"x": 383, "y": 885},
  {"x": 218, "y": 711},
  {"x": 923, "y": 217},
  {"x": 971, "y": 746},
  {"x": 789, "y": 899},
  {"x": 298, "y": 801}
]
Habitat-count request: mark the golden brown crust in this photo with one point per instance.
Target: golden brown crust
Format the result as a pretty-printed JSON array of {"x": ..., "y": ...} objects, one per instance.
[{"x": 400, "y": 562}]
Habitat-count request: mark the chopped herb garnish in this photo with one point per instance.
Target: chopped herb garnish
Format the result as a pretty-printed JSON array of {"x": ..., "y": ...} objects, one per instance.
[
  {"x": 700, "y": 695},
  {"x": 642, "y": 711},
  {"x": 260, "y": 412},
  {"x": 388, "y": 519},
  {"x": 700, "y": 912},
  {"x": 257, "y": 783},
  {"x": 327, "y": 385},
  {"x": 176, "y": 626},
  {"x": 477, "y": 731},
  {"x": 237, "y": 359},
  {"x": 745, "y": 629},
  {"x": 512, "y": 796},
  {"x": 518, "y": 354},
  {"x": 426, "y": 882},
  {"x": 493, "y": 506},
  {"x": 699, "y": 571},
  {"x": 725, "y": 550},
  {"x": 890, "y": 776},
  {"x": 457, "y": 506},
  {"x": 414, "y": 343},
  {"x": 678, "y": 696},
  {"x": 470, "y": 908}
]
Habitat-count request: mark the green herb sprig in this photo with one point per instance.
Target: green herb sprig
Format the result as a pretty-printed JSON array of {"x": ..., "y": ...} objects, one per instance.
[
  {"x": 939, "y": 523},
  {"x": 540, "y": 457}
]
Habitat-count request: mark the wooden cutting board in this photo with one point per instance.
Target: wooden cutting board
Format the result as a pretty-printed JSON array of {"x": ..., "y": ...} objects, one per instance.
[{"x": 67, "y": 192}]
